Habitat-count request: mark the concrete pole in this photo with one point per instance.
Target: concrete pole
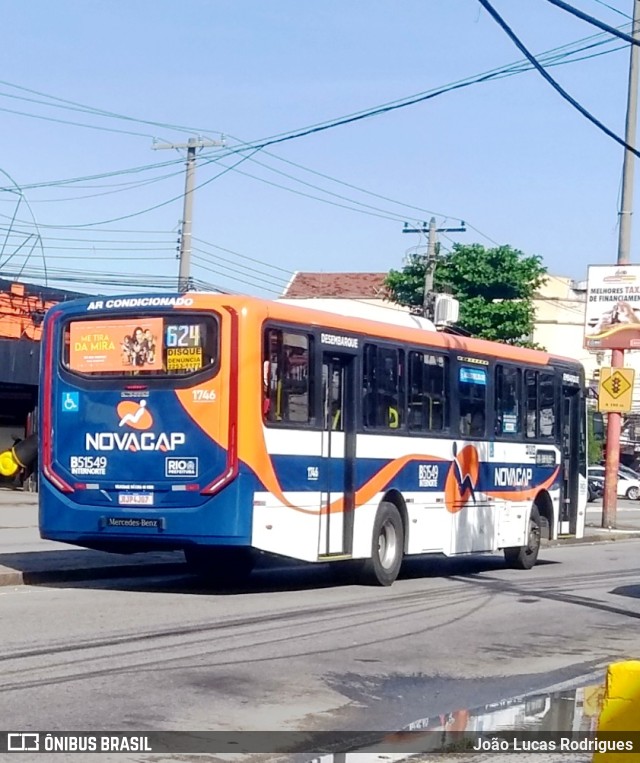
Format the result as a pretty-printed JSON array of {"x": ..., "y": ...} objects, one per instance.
[
  {"x": 429, "y": 269},
  {"x": 614, "y": 420},
  {"x": 184, "y": 271}
]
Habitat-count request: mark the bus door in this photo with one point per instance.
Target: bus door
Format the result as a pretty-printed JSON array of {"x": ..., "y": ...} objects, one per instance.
[
  {"x": 570, "y": 459},
  {"x": 337, "y": 498}
]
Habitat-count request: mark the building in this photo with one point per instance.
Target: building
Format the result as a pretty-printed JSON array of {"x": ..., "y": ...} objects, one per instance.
[
  {"x": 22, "y": 310},
  {"x": 559, "y": 328}
]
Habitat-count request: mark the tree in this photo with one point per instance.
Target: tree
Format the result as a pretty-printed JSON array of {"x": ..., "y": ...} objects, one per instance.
[
  {"x": 495, "y": 288},
  {"x": 594, "y": 442}
]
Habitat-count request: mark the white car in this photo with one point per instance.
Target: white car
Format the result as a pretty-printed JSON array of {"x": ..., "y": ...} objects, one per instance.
[{"x": 628, "y": 486}]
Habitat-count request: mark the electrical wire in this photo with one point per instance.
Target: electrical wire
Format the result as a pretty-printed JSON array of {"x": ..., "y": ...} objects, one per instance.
[
  {"x": 243, "y": 256},
  {"x": 98, "y": 176},
  {"x": 102, "y": 112},
  {"x": 17, "y": 189},
  {"x": 496, "y": 73},
  {"x": 388, "y": 216},
  {"x": 245, "y": 272},
  {"x": 147, "y": 209},
  {"x": 129, "y": 187},
  {"x": 259, "y": 285},
  {"x": 554, "y": 84},
  {"x": 594, "y": 21},
  {"x": 611, "y": 8}
]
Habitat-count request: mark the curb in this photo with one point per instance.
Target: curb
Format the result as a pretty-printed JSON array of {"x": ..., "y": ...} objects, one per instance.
[
  {"x": 42, "y": 577},
  {"x": 9, "y": 577},
  {"x": 603, "y": 537}
]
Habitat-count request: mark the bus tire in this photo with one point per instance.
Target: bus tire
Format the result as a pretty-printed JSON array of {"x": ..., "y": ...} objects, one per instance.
[
  {"x": 525, "y": 557},
  {"x": 220, "y": 565},
  {"x": 387, "y": 547}
]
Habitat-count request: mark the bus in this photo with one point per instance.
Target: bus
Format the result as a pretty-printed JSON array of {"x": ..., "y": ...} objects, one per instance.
[{"x": 231, "y": 427}]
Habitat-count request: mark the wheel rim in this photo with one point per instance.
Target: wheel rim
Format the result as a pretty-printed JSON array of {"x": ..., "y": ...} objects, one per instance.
[
  {"x": 387, "y": 545},
  {"x": 633, "y": 493},
  {"x": 533, "y": 541}
]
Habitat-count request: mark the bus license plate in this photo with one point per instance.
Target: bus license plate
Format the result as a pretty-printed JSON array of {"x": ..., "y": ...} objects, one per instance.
[{"x": 135, "y": 499}]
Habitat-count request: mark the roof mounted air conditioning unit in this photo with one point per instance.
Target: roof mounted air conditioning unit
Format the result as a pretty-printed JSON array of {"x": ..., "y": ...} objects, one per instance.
[{"x": 446, "y": 310}]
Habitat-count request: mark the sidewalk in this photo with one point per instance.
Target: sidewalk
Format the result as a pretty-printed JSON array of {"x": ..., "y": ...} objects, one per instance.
[{"x": 27, "y": 559}]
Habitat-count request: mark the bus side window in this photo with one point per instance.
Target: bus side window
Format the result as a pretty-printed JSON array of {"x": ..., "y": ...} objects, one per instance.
[
  {"x": 286, "y": 381},
  {"x": 508, "y": 392},
  {"x": 472, "y": 396},
  {"x": 383, "y": 388},
  {"x": 546, "y": 404},
  {"x": 428, "y": 399}
]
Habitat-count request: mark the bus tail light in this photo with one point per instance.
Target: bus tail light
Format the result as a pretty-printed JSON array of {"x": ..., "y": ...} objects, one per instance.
[
  {"x": 231, "y": 467},
  {"x": 47, "y": 418}
]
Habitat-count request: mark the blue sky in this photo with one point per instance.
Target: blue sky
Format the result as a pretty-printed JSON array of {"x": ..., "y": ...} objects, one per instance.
[{"x": 509, "y": 157}]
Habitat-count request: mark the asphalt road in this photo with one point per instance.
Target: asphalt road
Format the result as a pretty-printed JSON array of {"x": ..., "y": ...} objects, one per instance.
[{"x": 295, "y": 651}]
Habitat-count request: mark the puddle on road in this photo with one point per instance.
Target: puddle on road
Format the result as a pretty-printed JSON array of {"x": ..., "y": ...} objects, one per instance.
[
  {"x": 574, "y": 710},
  {"x": 571, "y": 712}
]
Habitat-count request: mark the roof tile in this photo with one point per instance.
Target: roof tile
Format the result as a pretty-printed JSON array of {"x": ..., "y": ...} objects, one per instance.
[{"x": 346, "y": 285}]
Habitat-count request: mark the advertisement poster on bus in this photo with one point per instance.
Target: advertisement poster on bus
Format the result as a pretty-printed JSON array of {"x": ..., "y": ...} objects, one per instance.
[
  {"x": 612, "y": 315},
  {"x": 116, "y": 345}
]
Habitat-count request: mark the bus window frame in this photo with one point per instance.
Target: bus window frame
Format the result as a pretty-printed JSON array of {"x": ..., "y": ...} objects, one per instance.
[
  {"x": 512, "y": 437},
  {"x": 447, "y": 355},
  {"x": 98, "y": 381},
  {"x": 487, "y": 363},
  {"x": 315, "y": 375},
  {"x": 402, "y": 348}
]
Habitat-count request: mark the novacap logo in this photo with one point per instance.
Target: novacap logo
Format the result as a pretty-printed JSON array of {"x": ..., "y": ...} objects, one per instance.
[
  {"x": 136, "y": 416},
  {"x": 462, "y": 478}
]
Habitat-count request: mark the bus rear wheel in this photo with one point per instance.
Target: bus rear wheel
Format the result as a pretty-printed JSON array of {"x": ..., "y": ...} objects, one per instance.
[
  {"x": 220, "y": 565},
  {"x": 387, "y": 547},
  {"x": 525, "y": 557}
]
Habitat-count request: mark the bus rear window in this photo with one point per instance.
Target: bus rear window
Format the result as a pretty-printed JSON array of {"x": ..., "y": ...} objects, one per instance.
[{"x": 141, "y": 346}]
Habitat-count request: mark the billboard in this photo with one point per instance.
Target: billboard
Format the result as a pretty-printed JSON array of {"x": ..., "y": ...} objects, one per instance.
[
  {"x": 116, "y": 345},
  {"x": 612, "y": 315}
]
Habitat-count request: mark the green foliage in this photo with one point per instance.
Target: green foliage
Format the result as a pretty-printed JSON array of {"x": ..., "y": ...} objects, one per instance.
[
  {"x": 495, "y": 288},
  {"x": 595, "y": 445}
]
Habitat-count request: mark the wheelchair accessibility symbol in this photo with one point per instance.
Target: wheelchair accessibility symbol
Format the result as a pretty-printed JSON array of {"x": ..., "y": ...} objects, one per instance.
[{"x": 70, "y": 402}]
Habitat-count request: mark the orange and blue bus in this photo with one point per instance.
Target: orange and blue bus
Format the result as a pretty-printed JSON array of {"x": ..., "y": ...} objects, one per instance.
[{"x": 232, "y": 427}]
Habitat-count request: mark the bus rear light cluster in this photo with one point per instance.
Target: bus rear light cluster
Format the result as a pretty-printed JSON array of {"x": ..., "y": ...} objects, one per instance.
[{"x": 47, "y": 419}]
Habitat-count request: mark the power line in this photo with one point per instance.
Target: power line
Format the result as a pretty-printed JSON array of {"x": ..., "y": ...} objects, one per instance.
[
  {"x": 74, "y": 124},
  {"x": 129, "y": 187},
  {"x": 147, "y": 209},
  {"x": 105, "y": 113},
  {"x": 98, "y": 176},
  {"x": 387, "y": 216},
  {"x": 593, "y": 21},
  {"x": 245, "y": 270},
  {"x": 243, "y": 256},
  {"x": 245, "y": 281},
  {"x": 611, "y": 8},
  {"x": 555, "y": 85}
]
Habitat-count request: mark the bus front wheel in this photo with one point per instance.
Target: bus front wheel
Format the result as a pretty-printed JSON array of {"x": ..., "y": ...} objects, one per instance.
[
  {"x": 387, "y": 547},
  {"x": 525, "y": 557},
  {"x": 220, "y": 565}
]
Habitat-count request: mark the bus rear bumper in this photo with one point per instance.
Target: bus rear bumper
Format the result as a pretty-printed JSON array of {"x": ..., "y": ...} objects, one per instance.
[{"x": 112, "y": 528}]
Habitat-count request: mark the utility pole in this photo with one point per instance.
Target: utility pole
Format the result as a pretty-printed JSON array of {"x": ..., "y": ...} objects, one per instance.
[
  {"x": 430, "y": 265},
  {"x": 184, "y": 272},
  {"x": 614, "y": 420}
]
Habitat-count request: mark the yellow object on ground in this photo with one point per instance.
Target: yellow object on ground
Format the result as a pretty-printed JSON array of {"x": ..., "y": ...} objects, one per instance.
[
  {"x": 8, "y": 464},
  {"x": 621, "y": 709}
]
